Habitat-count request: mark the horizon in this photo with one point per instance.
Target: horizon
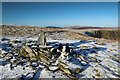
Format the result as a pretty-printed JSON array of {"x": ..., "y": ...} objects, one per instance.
[{"x": 60, "y": 14}]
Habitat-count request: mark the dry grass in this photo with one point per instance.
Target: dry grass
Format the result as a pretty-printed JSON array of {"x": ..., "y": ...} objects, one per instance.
[
  {"x": 26, "y": 30},
  {"x": 86, "y": 47},
  {"x": 115, "y": 58},
  {"x": 96, "y": 70},
  {"x": 98, "y": 74},
  {"x": 107, "y": 34},
  {"x": 95, "y": 47},
  {"x": 114, "y": 45},
  {"x": 111, "y": 50}
]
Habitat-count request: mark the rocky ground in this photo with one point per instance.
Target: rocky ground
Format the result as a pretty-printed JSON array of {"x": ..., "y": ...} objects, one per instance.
[
  {"x": 84, "y": 57},
  {"x": 93, "y": 59}
]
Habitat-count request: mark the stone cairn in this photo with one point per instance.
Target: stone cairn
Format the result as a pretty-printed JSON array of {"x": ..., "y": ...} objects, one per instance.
[{"x": 47, "y": 53}]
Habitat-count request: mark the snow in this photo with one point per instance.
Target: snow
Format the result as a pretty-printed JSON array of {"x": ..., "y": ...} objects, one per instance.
[
  {"x": 48, "y": 74},
  {"x": 101, "y": 54}
]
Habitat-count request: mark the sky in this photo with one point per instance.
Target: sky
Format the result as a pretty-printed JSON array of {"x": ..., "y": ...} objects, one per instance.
[{"x": 60, "y": 14}]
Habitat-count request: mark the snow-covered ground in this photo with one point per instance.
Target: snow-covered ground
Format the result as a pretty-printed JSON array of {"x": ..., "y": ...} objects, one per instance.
[{"x": 106, "y": 67}]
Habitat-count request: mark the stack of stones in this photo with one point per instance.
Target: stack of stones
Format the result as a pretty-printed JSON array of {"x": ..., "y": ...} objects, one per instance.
[{"x": 31, "y": 55}]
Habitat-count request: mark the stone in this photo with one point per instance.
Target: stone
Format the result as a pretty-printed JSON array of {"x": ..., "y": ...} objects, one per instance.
[
  {"x": 84, "y": 63},
  {"x": 45, "y": 47},
  {"x": 67, "y": 71},
  {"x": 94, "y": 47},
  {"x": 33, "y": 59},
  {"x": 12, "y": 60},
  {"x": 29, "y": 75},
  {"x": 34, "y": 64},
  {"x": 44, "y": 59},
  {"x": 41, "y": 39},
  {"x": 29, "y": 51},
  {"x": 60, "y": 71},
  {"x": 41, "y": 66},
  {"x": 16, "y": 54},
  {"x": 33, "y": 46},
  {"x": 114, "y": 58},
  {"x": 36, "y": 53},
  {"x": 53, "y": 68},
  {"x": 62, "y": 64},
  {"x": 47, "y": 53},
  {"x": 81, "y": 57}
]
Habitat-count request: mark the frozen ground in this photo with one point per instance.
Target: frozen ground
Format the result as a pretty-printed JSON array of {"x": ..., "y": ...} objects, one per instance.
[{"x": 106, "y": 67}]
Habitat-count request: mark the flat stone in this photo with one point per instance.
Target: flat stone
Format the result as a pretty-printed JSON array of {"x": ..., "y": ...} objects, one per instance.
[
  {"x": 34, "y": 64},
  {"x": 42, "y": 46},
  {"x": 53, "y": 68},
  {"x": 83, "y": 63}
]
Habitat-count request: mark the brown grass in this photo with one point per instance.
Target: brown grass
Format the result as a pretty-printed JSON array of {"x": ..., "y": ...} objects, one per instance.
[{"x": 96, "y": 70}]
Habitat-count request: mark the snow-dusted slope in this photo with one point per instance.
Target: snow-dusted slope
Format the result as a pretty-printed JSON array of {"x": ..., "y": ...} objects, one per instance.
[{"x": 105, "y": 67}]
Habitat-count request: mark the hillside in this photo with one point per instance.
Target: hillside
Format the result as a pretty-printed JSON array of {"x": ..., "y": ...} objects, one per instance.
[
  {"x": 90, "y": 27},
  {"x": 82, "y": 27}
]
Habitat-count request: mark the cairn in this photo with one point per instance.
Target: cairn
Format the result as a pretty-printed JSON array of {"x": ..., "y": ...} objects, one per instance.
[{"x": 50, "y": 57}]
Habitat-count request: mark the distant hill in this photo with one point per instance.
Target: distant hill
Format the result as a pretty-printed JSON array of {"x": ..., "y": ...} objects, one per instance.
[
  {"x": 89, "y": 27},
  {"x": 52, "y": 27},
  {"x": 82, "y": 27}
]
